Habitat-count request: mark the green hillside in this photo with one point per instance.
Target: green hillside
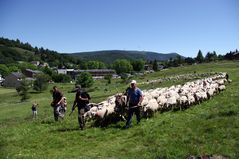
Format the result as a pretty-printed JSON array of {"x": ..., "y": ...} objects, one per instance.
[
  {"x": 13, "y": 54},
  {"x": 109, "y": 56},
  {"x": 209, "y": 128}
]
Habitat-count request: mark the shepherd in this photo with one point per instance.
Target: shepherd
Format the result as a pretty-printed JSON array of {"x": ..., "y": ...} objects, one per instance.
[
  {"x": 81, "y": 101},
  {"x": 57, "y": 96},
  {"x": 134, "y": 98}
]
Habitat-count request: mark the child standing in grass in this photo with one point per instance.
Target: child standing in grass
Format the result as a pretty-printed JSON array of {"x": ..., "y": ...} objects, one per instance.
[{"x": 34, "y": 109}]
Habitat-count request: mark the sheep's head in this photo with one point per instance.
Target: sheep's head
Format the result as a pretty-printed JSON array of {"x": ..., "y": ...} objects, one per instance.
[{"x": 120, "y": 100}]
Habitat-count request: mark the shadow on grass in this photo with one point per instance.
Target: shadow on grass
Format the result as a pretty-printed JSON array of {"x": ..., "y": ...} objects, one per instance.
[
  {"x": 227, "y": 114},
  {"x": 66, "y": 129},
  {"x": 31, "y": 92},
  {"x": 114, "y": 126},
  {"x": 47, "y": 121},
  {"x": 222, "y": 114}
]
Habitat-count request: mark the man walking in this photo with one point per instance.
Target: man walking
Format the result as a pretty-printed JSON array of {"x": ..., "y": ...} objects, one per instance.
[
  {"x": 57, "y": 98},
  {"x": 81, "y": 100},
  {"x": 134, "y": 98}
]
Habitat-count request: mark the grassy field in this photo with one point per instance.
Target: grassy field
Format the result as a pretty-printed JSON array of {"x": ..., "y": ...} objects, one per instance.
[{"x": 209, "y": 128}]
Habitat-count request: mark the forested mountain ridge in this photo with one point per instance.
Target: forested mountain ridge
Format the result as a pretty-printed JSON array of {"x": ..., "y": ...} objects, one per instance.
[
  {"x": 15, "y": 50},
  {"x": 109, "y": 56}
]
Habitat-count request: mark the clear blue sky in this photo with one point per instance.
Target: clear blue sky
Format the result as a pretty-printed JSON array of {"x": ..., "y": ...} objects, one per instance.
[{"x": 182, "y": 26}]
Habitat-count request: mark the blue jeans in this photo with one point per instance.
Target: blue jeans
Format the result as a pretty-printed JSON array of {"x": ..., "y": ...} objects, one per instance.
[{"x": 131, "y": 111}]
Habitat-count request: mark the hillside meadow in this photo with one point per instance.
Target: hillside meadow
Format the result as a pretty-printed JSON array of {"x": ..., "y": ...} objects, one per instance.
[{"x": 211, "y": 127}]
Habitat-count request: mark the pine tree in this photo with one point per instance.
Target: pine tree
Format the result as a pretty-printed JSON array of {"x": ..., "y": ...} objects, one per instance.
[
  {"x": 23, "y": 90},
  {"x": 199, "y": 57},
  {"x": 155, "y": 65}
]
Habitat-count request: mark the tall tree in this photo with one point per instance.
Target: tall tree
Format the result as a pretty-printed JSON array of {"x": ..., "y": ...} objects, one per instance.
[
  {"x": 155, "y": 65},
  {"x": 189, "y": 60},
  {"x": 199, "y": 57},
  {"x": 108, "y": 78},
  {"x": 211, "y": 56},
  {"x": 23, "y": 89},
  {"x": 122, "y": 66},
  {"x": 138, "y": 65},
  {"x": 4, "y": 71}
]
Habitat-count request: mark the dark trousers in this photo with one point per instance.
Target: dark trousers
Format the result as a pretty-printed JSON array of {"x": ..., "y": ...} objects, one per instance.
[
  {"x": 131, "y": 111},
  {"x": 56, "y": 113},
  {"x": 81, "y": 119}
]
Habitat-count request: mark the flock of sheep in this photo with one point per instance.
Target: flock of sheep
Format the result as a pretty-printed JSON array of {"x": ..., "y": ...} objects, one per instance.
[
  {"x": 188, "y": 76},
  {"x": 161, "y": 99}
]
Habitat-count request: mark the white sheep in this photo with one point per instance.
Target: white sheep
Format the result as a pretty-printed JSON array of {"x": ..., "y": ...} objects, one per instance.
[{"x": 162, "y": 100}]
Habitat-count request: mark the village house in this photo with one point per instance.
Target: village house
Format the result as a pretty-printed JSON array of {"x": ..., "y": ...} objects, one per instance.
[
  {"x": 96, "y": 73},
  {"x": 65, "y": 71},
  {"x": 31, "y": 73},
  {"x": 13, "y": 79},
  {"x": 44, "y": 64},
  {"x": 36, "y": 63}
]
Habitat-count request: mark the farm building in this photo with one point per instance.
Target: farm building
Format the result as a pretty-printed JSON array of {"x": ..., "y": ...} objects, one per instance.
[
  {"x": 36, "y": 63},
  {"x": 13, "y": 79},
  {"x": 31, "y": 73},
  {"x": 65, "y": 71},
  {"x": 96, "y": 73}
]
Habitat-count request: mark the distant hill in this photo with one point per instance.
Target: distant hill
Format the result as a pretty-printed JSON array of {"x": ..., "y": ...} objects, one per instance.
[
  {"x": 15, "y": 50},
  {"x": 10, "y": 52},
  {"x": 109, "y": 56}
]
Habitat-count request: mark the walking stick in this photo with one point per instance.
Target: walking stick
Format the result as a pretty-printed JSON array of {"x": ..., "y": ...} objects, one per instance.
[{"x": 72, "y": 110}]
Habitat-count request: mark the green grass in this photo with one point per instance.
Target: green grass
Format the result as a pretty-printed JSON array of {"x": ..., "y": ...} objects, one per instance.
[{"x": 209, "y": 128}]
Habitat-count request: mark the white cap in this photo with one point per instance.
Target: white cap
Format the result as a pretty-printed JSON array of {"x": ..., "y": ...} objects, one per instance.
[{"x": 133, "y": 81}]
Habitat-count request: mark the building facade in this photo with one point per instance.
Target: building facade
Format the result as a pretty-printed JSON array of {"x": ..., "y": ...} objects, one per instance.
[{"x": 13, "y": 80}]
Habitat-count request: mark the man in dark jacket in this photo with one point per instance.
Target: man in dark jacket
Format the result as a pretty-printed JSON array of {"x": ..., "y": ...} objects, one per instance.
[
  {"x": 57, "y": 98},
  {"x": 81, "y": 100}
]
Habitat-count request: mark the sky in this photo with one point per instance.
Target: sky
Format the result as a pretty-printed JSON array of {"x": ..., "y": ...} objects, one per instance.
[{"x": 165, "y": 26}]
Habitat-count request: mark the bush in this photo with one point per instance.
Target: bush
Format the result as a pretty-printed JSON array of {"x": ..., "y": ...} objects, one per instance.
[
  {"x": 41, "y": 82},
  {"x": 85, "y": 80},
  {"x": 61, "y": 78},
  {"x": 122, "y": 66},
  {"x": 108, "y": 78}
]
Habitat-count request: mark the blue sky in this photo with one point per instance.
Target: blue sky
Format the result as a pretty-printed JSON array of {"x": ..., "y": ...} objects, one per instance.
[{"x": 182, "y": 26}]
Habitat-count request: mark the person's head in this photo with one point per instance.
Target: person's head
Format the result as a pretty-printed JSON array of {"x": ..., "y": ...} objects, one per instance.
[
  {"x": 54, "y": 88},
  {"x": 78, "y": 88},
  {"x": 133, "y": 84}
]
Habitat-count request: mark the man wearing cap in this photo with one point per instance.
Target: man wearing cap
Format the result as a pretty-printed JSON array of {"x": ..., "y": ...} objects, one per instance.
[
  {"x": 81, "y": 100},
  {"x": 134, "y": 98}
]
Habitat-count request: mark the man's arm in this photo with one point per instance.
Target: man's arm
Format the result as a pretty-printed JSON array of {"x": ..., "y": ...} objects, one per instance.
[
  {"x": 60, "y": 101},
  {"x": 81, "y": 98},
  {"x": 84, "y": 98},
  {"x": 141, "y": 99}
]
